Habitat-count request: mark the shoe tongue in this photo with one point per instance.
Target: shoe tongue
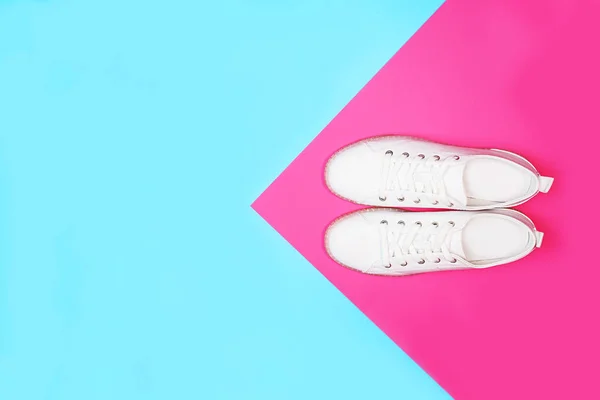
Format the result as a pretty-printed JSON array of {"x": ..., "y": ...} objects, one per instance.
[
  {"x": 456, "y": 244},
  {"x": 454, "y": 183}
]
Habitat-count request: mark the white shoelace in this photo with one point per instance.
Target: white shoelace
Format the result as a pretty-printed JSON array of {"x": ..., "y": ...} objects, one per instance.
[
  {"x": 403, "y": 173},
  {"x": 401, "y": 243}
]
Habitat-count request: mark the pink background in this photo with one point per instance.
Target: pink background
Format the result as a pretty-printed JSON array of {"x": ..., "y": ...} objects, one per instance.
[{"x": 517, "y": 75}]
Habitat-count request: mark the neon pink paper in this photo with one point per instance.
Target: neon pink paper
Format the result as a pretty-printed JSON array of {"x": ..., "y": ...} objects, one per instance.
[{"x": 517, "y": 75}]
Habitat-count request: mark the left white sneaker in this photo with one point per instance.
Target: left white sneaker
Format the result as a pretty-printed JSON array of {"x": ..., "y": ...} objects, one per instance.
[
  {"x": 402, "y": 171},
  {"x": 387, "y": 241}
]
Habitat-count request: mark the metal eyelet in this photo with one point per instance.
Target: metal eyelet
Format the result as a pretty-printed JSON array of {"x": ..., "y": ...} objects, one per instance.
[
  {"x": 450, "y": 204},
  {"x": 405, "y": 154},
  {"x": 453, "y": 260},
  {"x": 436, "y": 158},
  {"x": 435, "y": 202},
  {"x": 401, "y": 223},
  {"x": 401, "y": 198},
  {"x": 421, "y": 156},
  {"x": 435, "y": 224},
  {"x": 404, "y": 264},
  {"x": 421, "y": 261},
  {"x": 382, "y": 198},
  {"x": 417, "y": 201},
  {"x": 388, "y": 266},
  {"x": 456, "y": 158},
  {"x": 437, "y": 260},
  {"x": 389, "y": 152},
  {"x": 418, "y": 223},
  {"x": 383, "y": 222},
  {"x": 451, "y": 223}
]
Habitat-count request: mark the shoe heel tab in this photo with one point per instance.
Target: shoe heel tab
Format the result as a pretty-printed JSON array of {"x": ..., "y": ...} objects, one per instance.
[
  {"x": 545, "y": 183},
  {"x": 539, "y": 237}
]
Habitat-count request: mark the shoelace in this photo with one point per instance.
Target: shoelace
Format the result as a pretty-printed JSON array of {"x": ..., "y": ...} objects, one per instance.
[
  {"x": 401, "y": 243},
  {"x": 404, "y": 173}
]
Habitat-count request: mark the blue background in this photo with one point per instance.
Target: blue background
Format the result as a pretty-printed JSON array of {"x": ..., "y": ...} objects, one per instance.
[{"x": 134, "y": 135}]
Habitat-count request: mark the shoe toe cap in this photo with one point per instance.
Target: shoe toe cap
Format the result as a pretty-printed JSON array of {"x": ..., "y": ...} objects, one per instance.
[
  {"x": 354, "y": 174},
  {"x": 353, "y": 242}
]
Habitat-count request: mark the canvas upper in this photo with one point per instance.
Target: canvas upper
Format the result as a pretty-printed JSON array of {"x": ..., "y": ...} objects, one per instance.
[
  {"x": 401, "y": 171},
  {"x": 387, "y": 241}
]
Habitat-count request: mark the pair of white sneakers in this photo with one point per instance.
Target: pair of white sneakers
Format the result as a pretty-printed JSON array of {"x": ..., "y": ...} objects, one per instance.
[{"x": 477, "y": 186}]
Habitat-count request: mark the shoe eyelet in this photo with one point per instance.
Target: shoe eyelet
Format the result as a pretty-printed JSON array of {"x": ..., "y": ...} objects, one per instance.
[
  {"x": 453, "y": 260},
  {"x": 436, "y": 158},
  {"x": 435, "y": 224},
  {"x": 405, "y": 154},
  {"x": 456, "y": 158},
  {"x": 388, "y": 266},
  {"x": 389, "y": 153},
  {"x": 382, "y": 198},
  {"x": 417, "y": 201},
  {"x": 383, "y": 222},
  {"x": 401, "y": 223},
  {"x": 437, "y": 260},
  {"x": 404, "y": 264},
  {"x": 435, "y": 202},
  {"x": 450, "y": 204},
  {"x": 421, "y": 261},
  {"x": 401, "y": 199},
  {"x": 451, "y": 223},
  {"x": 421, "y": 156},
  {"x": 418, "y": 223}
]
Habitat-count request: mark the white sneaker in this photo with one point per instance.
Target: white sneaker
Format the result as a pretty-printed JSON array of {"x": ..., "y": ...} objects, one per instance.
[
  {"x": 387, "y": 241},
  {"x": 401, "y": 171}
]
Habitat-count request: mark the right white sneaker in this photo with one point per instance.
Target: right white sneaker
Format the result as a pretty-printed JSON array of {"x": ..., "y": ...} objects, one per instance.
[
  {"x": 401, "y": 171},
  {"x": 385, "y": 241}
]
